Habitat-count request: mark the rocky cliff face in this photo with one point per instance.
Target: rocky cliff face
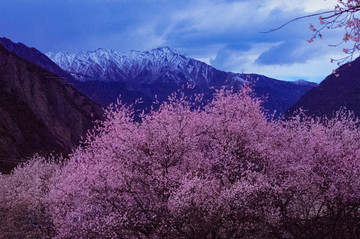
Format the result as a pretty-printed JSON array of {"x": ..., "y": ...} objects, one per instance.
[{"x": 39, "y": 112}]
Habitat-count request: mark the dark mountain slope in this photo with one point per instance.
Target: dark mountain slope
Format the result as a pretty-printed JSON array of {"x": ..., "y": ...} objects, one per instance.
[
  {"x": 278, "y": 95},
  {"x": 340, "y": 89},
  {"x": 39, "y": 112},
  {"x": 35, "y": 56}
]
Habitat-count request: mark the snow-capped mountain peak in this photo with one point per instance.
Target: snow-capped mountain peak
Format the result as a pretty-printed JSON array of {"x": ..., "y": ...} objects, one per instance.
[
  {"x": 161, "y": 71},
  {"x": 110, "y": 65}
]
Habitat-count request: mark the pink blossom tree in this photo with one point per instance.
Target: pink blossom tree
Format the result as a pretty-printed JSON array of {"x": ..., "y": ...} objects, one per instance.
[
  {"x": 219, "y": 171},
  {"x": 315, "y": 172},
  {"x": 141, "y": 179},
  {"x": 23, "y": 200},
  {"x": 184, "y": 171}
]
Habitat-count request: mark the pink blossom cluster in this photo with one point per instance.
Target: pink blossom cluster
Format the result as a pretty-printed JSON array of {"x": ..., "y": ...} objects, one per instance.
[{"x": 191, "y": 171}]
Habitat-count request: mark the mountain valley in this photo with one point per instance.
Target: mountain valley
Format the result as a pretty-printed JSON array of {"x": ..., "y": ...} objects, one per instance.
[{"x": 103, "y": 75}]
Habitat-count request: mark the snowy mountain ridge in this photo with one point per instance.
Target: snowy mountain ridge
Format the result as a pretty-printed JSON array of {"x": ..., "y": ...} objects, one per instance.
[
  {"x": 113, "y": 66},
  {"x": 103, "y": 75}
]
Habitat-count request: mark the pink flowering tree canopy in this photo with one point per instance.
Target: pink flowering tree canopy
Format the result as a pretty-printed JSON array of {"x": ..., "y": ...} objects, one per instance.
[{"x": 191, "y": 171}]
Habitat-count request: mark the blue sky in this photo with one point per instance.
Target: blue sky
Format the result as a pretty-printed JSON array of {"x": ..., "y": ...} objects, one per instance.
[{"x": 223, "y": 33}]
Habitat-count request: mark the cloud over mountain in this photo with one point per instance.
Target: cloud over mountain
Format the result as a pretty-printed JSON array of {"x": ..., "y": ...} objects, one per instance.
[{"x": 214, "y": 30}]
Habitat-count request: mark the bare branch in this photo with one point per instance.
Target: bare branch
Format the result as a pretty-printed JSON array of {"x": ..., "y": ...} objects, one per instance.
[{"x": 299, "y": 18}]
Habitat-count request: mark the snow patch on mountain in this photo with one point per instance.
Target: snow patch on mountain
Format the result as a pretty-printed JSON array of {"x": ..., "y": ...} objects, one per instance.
[{"x": 240, "y": 79}]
